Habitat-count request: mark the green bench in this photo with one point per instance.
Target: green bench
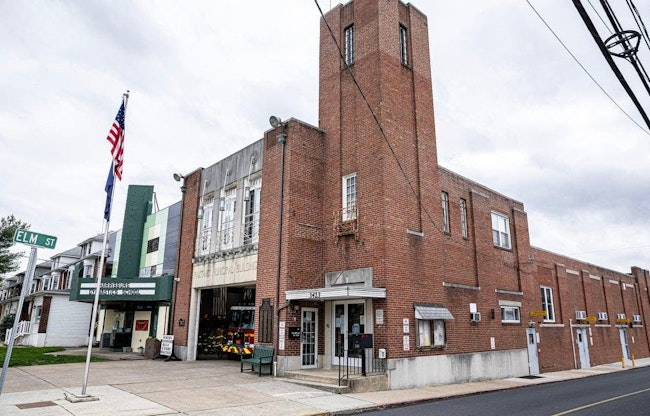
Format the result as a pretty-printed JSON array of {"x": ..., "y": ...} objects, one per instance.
[{"x": 261, "y": 356}]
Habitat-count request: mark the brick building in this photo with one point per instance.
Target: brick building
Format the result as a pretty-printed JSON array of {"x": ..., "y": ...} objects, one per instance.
[{"x": 329, "y": 234}]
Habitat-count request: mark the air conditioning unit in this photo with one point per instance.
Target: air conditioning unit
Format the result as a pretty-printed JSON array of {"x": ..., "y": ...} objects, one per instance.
[
  {"x": 620, "y": 316},
  {"x": 381, "y": 353},
  {"x": 475, "y": 316},
  {"x": 602, "y": 316},
  {"x": 636, "y": 318},
  {"x": 581, "y": 315}
]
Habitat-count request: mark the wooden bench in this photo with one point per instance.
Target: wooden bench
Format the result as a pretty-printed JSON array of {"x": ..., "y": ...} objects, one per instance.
[{"x": 261, "y": 356}]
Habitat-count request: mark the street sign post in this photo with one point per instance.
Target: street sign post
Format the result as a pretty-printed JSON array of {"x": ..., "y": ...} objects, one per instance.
[{"x": 34, "y": 240}]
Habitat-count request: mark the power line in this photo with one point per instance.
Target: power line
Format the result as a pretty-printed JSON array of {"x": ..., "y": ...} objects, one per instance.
[{"x": 585, "y": 69}]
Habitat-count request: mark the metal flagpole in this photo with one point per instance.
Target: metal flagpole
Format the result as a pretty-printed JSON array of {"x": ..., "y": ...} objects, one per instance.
[
  {"x": 100, "y": 270},
  {"x": 97, "y": 290}
]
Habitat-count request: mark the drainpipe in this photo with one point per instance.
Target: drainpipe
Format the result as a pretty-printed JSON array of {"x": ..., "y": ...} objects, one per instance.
[
  {"x": 282, "y": 138},
  {"x": 573, "y": 345}
]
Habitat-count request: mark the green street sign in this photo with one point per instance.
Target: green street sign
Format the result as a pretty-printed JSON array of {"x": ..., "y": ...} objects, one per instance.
[{"x": 34, "y": 239}]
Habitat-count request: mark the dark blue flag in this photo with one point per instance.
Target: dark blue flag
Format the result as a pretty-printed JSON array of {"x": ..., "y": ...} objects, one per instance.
[{"x": 109, "y": 193}]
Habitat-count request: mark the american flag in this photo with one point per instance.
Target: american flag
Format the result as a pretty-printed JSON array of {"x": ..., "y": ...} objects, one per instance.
[{"x": 116, "y": 138}]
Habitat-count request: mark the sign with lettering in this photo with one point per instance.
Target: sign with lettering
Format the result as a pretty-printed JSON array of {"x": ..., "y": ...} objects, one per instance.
[
  {"x": 294, "y": 332},
  {"x": 167, "y": 345},
  {"x": 591, "y": 319},
  {"x": 34, "y": 239},
  {"x": 138, "y": 288},
  {"x": 538, "y": 313}
]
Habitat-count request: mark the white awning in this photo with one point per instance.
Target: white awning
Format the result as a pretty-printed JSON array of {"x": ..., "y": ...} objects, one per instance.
[
  {"x": 336, "y": 292},
  {"x": 432, "y": 312}
]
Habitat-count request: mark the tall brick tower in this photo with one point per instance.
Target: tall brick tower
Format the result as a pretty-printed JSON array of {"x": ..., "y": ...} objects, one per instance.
[{"x": 393, "y": 157}]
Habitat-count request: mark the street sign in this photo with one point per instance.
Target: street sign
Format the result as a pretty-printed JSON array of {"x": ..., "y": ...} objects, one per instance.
[{"x": 34, "y": 239}]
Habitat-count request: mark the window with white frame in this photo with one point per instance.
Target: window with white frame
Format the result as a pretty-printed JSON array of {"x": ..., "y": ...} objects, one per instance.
[
  {"x": 227, "y": 226},
  {"x": 510, "y": 312},
  {"x": 46, "y": 284},
  {"x": 403, "y": 45},
  {"x": 206, "y": 226},
  {"x": 463, "y": 218},
  {"x": 252, "y": 211},
  {"x": 349, "y": 193},
  {"x": 547, "y": 303},
  {"x": 445, "y": 212},
  {"x": 88, "y": 270},
  {"x": 37, "y": 314},
  {"x": 349, "y": 45},
  {"x": 431, "y": 333},
  {"x": 54, "y": 284},
  {"x": 500, "y": 230}
]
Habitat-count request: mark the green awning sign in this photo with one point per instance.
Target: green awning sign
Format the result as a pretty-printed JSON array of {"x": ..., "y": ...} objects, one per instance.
[{"x": 34, "y": 239}]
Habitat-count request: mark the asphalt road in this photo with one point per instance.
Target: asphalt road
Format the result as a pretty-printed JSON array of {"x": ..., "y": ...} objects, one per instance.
[{"x": 620, "y": 393}]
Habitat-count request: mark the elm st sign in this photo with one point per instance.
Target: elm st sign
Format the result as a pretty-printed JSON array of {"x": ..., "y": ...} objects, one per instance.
[{"x": 34, "y": 239}]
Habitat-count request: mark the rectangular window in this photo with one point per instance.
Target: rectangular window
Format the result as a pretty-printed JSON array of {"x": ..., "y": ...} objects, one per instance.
[
  {"x": 547, "y": 304},
  {"x": 403, "y": 49},
  {"x": 510, "y": 314},
  {"x": 37, "y": 317},
  {"x": 501, "y": 230},
  {"x": 252, "y": 212},
  {"x": 349, "y": 197},
  {"x": 445, "y": 212},
  {"x": 431, "y": 333},
  {"x": 206, "y": 226},
  {"x": 463, "y": 218},
  {"x": 88, "y": 270},
  {"x": 228, "y": 220},
  {"x": 54, "y": 284},
  {"x": 152, "y": 245},
  {"x": 349, "y": 45}
]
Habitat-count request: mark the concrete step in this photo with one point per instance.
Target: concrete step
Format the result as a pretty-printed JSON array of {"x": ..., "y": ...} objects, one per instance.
[
  {"x": 329, "y": 380},
  {"x": 329, "y": 387}
]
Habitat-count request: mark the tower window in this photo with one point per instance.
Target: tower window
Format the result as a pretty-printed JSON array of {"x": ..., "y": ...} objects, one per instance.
[
  {"x": 445, "y": 212},
  {"x": 349, "y": 45},
  {"x": 403, "y": 46}
]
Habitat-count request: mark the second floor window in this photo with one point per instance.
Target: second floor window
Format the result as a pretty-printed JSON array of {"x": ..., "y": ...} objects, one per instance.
[
  {"x": 252, "y": 212},
  {"x": 547, "y": 304},
  {"x": 227, "y": 226},
  {"x": 206, "y": 227},
  {"x": 445, "y": 212},
  {"x": 463, "y": 218},
  {"x": 403, "y": 45},
  {"x": 500, "y": 230},
  {"x": 349, "y": 45},
  {"x": 349, "y": 197}
]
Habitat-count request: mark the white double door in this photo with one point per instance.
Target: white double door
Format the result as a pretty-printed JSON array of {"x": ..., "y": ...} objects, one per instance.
[{"x": 349, "y": 317}]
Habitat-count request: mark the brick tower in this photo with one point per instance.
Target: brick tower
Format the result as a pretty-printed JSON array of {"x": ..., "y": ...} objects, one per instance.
[{"x": 394, "y": 158}]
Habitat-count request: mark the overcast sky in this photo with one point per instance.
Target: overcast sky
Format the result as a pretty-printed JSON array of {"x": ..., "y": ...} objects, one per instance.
[{"x": 514, "y": 111}]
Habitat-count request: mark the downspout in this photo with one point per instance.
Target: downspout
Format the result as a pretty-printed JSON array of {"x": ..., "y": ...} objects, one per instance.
[
  {"x": 282, "y": 138},
  {"x": 573, "y": 345}
]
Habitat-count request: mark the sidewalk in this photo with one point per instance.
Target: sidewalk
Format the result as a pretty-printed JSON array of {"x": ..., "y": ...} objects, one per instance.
[{"x": 130, "y": 385}]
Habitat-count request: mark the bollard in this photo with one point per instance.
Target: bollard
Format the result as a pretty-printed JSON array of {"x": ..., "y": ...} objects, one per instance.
[
  {"x": 633, "y": 364},
  {"x": 623, "y": 362}
]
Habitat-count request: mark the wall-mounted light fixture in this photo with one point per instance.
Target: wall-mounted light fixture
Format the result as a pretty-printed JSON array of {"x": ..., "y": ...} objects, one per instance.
[
  {"x": 275, "y": 121},
  {"x": 177, "y": 178}
]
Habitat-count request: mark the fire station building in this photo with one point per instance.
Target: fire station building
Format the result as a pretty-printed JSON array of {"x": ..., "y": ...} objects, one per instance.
[{"x": 314, "y": 238}]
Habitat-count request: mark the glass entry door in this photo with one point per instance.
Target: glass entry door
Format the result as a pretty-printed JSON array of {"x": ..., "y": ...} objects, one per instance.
[
  {"x": 349, "y": 318},
  {"x": 308, "y": 338}
]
